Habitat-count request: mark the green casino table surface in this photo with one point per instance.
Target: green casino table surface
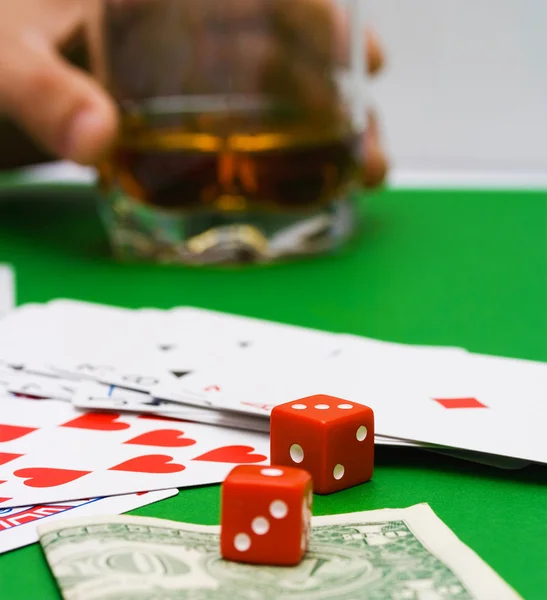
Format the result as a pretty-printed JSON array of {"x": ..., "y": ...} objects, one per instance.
[{"x": 463, "y": 268}]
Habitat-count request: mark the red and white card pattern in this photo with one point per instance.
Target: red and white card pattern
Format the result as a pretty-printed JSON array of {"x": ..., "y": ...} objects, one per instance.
[
  {"x": 446, "y": 397},
  {"x": 51, "y": 452},
  {"x": 243, "y": 367},
  {"x": 18, "y": 525}
]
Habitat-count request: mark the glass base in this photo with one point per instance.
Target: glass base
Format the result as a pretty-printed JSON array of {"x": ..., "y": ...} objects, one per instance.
[{"x": 140, "y": 233}]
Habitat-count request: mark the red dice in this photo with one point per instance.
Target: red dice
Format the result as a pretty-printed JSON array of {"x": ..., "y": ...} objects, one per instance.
[
  {"x": 266, "y": 515},
  {"x": 331, "y": 438}
]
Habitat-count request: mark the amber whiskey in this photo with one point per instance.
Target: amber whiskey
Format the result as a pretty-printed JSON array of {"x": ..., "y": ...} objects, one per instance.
[{"x": 292, "y": 168}]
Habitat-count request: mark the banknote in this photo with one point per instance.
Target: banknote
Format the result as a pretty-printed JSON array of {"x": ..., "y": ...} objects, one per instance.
[{"x": 399, "y": 554}]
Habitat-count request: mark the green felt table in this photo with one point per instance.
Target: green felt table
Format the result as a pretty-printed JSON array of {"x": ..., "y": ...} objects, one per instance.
[{"x": 459, "y": 268}]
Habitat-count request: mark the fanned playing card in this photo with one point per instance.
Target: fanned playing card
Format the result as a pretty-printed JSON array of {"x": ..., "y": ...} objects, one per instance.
[
  {"x": 51, "y": 452},
  {"x": 18, "y": 525},
  {"x": 7, "y": 290},
  {"x": 94, "y": 396},
  {"x": 230, "y": 370},
  {"x": 444, "y": 397}
]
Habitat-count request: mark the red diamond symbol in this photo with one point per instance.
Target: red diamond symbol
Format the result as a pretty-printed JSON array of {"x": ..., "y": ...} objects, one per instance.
[{"x": 460, "y": 403}]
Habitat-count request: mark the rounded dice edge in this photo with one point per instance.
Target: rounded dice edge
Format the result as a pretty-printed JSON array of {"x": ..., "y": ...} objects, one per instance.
[{"x": 250, "y": 475}]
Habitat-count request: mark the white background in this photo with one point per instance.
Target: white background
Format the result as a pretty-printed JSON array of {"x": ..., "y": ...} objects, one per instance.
[
  {"x": 465, "y": 87},
  {"x": 463, "y": 99}
]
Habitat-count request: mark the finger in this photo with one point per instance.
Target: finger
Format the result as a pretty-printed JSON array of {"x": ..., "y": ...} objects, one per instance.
[
  {"x": 304, "y": 86},
  {"x": 313, "y": 28},
  {"x": 374, "y": 53},
  {"x": 60, "y": 106},
  {"x": 375, "y": 166}
]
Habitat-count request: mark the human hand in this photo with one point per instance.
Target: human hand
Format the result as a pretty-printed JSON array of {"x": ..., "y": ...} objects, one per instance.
[
  {"x": 67, "y": 112},
  {"x": 60, "y": 106}
]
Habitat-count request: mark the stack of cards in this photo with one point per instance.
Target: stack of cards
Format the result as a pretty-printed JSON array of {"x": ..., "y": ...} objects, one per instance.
[
  {"x": 99, "y": 401},
  {"x": 7, "y": 289}
]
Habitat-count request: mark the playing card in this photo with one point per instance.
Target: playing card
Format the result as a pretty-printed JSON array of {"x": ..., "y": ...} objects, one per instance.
[
  {"x": 240, "y": 382},
  {"x": 37, "y": 386},
  {"x": 145, "y": 348},
  {"x": 114, "y": 345},
  {"x": 25, "y": 340},
  {"x": 490, "y": 460},
  {"x": 108, "y": 397},
  {"x": 51, "y": 452},
  {"x": 199, "y": 338},
  {"x": 498, "y": 408},
  {"x": 464, "y": 401},
  {"x": 94, "y": 396},
  {"x": 252, "y": 386},
  {"x": 248, "y": 331},
  {"x": 242, "y": 367},
  {"x": 443, "y": 397},
  {"x": 7, "y": 290},
  {"x": 83, "y": 337},
  {"x": 18, "y": 525},
  {"x": 53, "y": 172}
]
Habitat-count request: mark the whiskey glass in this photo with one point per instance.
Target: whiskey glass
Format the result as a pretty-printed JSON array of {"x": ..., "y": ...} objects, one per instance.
[{"x": 241, "y": 127}]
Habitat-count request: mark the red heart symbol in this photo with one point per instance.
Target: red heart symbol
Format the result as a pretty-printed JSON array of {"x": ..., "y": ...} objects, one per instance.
[
  {"x": 168, "y": 438},
  {"x": 152, "y": 463},
  {"x": 12, "y": 432},
  {"x": 5, "y": 457},
  {"x": 98, "y": 421},
  {"x": 45, "y": 477},
  {"x": 232, "y": 454}
]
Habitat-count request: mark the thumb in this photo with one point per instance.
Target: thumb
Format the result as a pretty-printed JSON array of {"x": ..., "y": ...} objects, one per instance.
[
  {"x": 61, "y": 107},
  {"x": 376, "y": 164}
]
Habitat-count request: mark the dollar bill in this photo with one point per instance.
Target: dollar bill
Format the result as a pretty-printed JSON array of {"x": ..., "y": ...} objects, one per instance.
[{"x": 399, "y": 554}]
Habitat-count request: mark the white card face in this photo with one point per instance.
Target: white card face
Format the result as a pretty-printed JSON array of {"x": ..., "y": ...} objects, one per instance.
[
  {"x": 352, "y": 365},
  {"x": 18, "y": 525},
  {"x": 468, "y": 403},
  {"x": 7, "y": 290},
  {"x": 96, "y": 396},
  {"x": 245, "y": 329},
  {"x": 256, "y": 382},
  {"x": 119, "y": 346},
  {"x": 36, "y": 386},
  {"x": 254, "y": 387},
  {"x": 146, "y": 348},
  {"x": 66, "y": 333},
  {"x": 500, "y": 409},
  {"x": 51, "y": 452},
  {"x": 199, "y": 339},
  {"x": 243, "y": 367},
  {"x": 427, "y": 395}
]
